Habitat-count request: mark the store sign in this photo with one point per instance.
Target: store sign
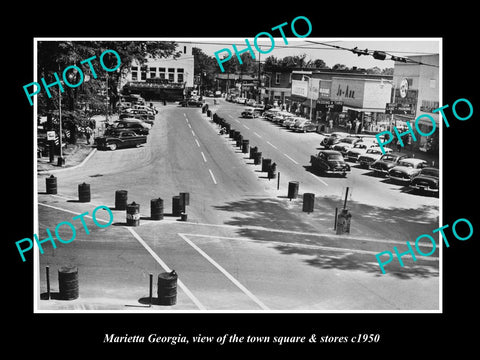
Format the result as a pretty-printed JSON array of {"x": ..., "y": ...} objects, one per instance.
[
  {"x": 325, "y": 105},
  {"x": 50, "y": 135},
  {"x": 395, "y": 108},
  {"x": 300, "y": 88}
]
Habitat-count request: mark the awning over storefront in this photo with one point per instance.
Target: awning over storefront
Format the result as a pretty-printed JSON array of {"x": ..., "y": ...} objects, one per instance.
[{"x": 345, "y": 108}]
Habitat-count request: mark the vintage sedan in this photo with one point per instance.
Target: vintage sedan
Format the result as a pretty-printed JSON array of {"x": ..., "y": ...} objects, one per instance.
[
  {"x": 329, "y": 162},
  {"x": 249, "y": 112},
  {"x": 290, "y": 122},
  {"x": 304, "y": 125},
  {"x": 139, "y": 126},
  {"x": 271, "y": 113},
  {"x": 406, "y": 169},
  {"x": 120, "y": 138},
  {"x": 281, "y": 116},
  {"x": 428, "y": 180},
  {"x": 332, "y": 139},
  {"x": 360, "y": 149},
  {"x": 387, "y": 162},
  {"x": 371, "y": 155},
  {"x": 345, "y": 144}
]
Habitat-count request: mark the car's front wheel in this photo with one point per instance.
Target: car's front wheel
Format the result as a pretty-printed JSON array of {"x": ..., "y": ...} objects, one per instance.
[{"x": 112, "y": 146}]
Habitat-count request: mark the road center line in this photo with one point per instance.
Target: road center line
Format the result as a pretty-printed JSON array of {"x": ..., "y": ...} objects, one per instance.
[
  {"x": 246, "y": 127},
  {"x": 257, "y": 135},
  {"x": 226, "y": 273},
  {"x": 213, "y": 177},
  {"x": 291, "y": 159},
  {"x": 166, "y": 268},
  {"x": 269, "y": 143},
  {"x": 203, "y": 155},
  {"x": 193, "y": 133},
  {"x": 190, "y": 126},
  {"x": 198, "y": 144},
  {"x": 316, "y": 177}
]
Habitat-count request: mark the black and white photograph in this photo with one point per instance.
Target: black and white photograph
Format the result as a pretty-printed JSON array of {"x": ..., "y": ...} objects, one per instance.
[{"x": 173, "y": 183}]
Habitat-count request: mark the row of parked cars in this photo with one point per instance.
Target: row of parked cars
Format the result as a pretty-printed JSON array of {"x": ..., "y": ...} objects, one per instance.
[
  {"x": 365, "y": 151},
  {"x": 281, "y": 117},
  {"x": 131, "y": 129}
]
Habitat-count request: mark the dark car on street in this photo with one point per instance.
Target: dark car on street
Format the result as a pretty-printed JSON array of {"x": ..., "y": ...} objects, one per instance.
[
  {"x": 120, "y": 138},
  {"x": 128, "y": 124},
  {"x": 427, "y": 180},
  {"x": 386, "y": 162},
  {"x": 329, "y": 162}
]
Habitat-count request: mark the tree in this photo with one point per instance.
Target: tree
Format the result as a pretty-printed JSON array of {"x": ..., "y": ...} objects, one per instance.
[{"x": 55, "y": 56}]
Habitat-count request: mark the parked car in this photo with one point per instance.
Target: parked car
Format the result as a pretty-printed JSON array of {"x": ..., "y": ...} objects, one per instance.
[
  {"x": 345, "y": 144},
  {"x": 249, "y": 112},
  {"x": 240, "y": 100},
  {"x": 332, "y": 139},
  {"x": 428, "y": 180},
  {"x": 132, "y": 124},
  {"x": 329, "y": 162},
  {"x": 407, "y": 169},
  {"x": 372, "y": 155},
  {"x": 281, "y": 116},
  {"x": 290, "y": 121},
  {"x": 387, "y": 162},
  {"x": 359, "y": 149},
  {"x": 271, "y": 113},
  {"x": 120, "y": 138},
  {"x": 304, "y": 125},
  {"x": 250, "y": 102}
]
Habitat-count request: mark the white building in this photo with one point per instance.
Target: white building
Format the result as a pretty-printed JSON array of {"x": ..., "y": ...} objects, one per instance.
[{"x": 176, "y": 70}]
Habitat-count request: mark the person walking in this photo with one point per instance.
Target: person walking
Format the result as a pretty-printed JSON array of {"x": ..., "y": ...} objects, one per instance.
[{"x": 88, "y": 134}]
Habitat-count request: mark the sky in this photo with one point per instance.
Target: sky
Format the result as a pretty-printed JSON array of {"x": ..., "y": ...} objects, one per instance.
[{"x": 397, "y": 46}]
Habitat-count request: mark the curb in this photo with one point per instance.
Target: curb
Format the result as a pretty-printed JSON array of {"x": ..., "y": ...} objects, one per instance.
[{"x": 93, "y": 151}]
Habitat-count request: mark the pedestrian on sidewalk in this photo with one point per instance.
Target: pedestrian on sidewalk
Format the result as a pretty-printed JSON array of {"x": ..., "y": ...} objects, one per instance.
[{"x": 88, "y": 134}]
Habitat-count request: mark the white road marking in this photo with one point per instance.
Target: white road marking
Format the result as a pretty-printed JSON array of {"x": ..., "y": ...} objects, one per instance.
[
  {"x": 257, "y": 135},
  {"x": 269, "y": 143},
  {"x": 291, "y": 159},
  {"x": 246, "y": 127},
  {"x": 185, "y": 115},
  {"x": 316, "y": 177},
  {"x": 190, "y": 126},
  {"x": 193, "y": 133},
  {"x": 198, "y": 144},
  {"x": 71, "y": 212},
  {"x": 154, "y": 255},
  {"x": 166, "y": 268},
  {"x": 203, "y": 155},
  {"x": 213, "y": 177},
  {"x": 307, "y": 246},
  {"x": 226, "y": 273}
]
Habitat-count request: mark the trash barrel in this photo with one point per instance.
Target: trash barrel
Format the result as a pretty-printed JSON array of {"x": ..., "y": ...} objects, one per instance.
[
  {"x": 204, "y": 109},
  {"x": 133, "y": 214},
  {"x": 266, "y": 164},
  {"x": 231, "y": 133},
  {"x": 343, "y": 222},
  {"x": 176, "y": 205},
  {"x": 185, "y": 200},
  {"x": 239, "y": 140},
  {"x": 257, "y": 159},
  {"x": 183, "y": 216},
  {"x": 84, "y": 192},
  {"x": 209, "y": 113},
  {"x": 156, "y": 209},
  {"x": 167, "y": 288},
  {"x": 272, "y": 171},
  {"x": 308, "y": 202},
  {"x": 121, "y": 197},
  {"x": 245, "y": 146},
  {"x": 293, "y": 189},
  {"x": 51, "y": 184},
  {"x": 68, "y": 282},
  {"x": 253, "y": 151}
]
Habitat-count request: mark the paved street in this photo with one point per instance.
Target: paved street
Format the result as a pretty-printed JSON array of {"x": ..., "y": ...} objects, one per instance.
[{"x": 245, "y": 245}]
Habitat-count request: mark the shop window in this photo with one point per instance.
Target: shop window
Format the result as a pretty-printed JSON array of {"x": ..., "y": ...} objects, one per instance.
[
  {"x": 180, "y": 78},
  {"x": 134, "y": 75}
]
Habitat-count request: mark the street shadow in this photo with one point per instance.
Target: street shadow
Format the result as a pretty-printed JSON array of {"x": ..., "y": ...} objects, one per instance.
[{"x": 302, "y": 236}]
